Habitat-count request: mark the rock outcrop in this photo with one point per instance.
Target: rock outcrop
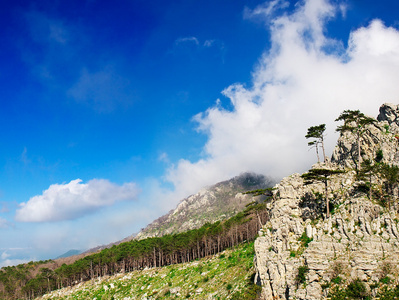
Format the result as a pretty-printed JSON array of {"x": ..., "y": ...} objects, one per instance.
[
  {"x": 359, "y": 241},
  {"x": 382, "y": 136}
]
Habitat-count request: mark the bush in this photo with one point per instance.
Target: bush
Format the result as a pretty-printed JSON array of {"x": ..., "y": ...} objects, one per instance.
[
  {"x": 337, "y": 294},
  {"x": 356, "y": 289},
  {"x": 301, "y": 276},
  {"x": 336, "y": 280},
  {"x": 385, "y": 280},
  {"x": 389, "y": 294},
  {"x": 305, "y": 239}
]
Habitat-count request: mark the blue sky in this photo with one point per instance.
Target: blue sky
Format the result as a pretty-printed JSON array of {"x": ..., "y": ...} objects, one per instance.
[{"x": 113, "y": 111}]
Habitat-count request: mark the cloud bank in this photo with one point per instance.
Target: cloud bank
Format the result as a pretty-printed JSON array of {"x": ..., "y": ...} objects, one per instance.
[
  {"x": 304, "y": 79},
  {"x": 73, "y": 200}
]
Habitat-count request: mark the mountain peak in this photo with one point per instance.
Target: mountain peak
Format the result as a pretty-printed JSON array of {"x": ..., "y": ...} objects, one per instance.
[{"x": 211, "y": 204}]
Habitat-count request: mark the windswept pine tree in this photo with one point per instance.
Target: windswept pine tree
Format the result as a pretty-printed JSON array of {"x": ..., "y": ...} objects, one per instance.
[
  {"x": 317, "y": 134},
  {"x": 354, "y": 122},
  {"x": 391, "y": 175},
  {"x": 321, "y": 175}
]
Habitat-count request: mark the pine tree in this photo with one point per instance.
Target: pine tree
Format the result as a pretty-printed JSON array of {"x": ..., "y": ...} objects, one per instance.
[
  {"x": 391, "y": 176},
  {"x": 354, "y": 122},
  {"x": 317, "y": 133},
  {"x": 322, "y": 175}
]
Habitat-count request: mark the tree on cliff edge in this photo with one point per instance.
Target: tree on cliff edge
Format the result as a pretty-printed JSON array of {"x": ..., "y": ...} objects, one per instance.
[
  {"x": 321, "y": 175},
  {"x": 354, "y": 122},
  {"x": 317, "y": 133}
]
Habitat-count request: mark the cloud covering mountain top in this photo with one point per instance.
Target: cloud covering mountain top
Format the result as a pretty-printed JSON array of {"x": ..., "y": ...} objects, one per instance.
[{"x": 306, "y": 78}]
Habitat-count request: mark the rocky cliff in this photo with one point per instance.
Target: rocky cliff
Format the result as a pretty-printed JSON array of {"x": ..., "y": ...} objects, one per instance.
[
  {"x": 218, "y": 202},
  {"x": 302, "y": 254}
]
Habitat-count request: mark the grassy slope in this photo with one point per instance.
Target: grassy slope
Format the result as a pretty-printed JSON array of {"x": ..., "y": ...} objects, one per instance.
[{"x": 223, "y": 276}]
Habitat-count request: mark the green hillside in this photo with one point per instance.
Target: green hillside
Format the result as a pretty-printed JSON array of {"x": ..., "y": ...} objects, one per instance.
[
  {"x": 228, "y": 275},
  {"x": 30, "y": 280}
]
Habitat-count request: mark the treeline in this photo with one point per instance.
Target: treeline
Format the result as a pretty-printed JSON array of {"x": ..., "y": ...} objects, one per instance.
[{"x": 17, "y": 283}]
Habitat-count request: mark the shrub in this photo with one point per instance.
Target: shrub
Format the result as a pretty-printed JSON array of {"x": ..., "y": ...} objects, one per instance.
[
  {"x": 389, "y": 294},
  {"x": 385, "y": 280},
  {"x": 379, "y": 156},
  {"x": 325, "y": 285},
  {"x": 301, "y": 276},
  {"x": 356, "y": 289},
  {"x": 336, "y": 280},
  {"x": 337, "y": 294},
  {"x": 305, "y": 240}
]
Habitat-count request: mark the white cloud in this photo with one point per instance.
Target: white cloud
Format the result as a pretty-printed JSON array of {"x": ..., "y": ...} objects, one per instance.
[
  {"x": 73, "y": 200},
  {"x": 15, "y": 256},
  {"x": 265, "y": 10},
  {"x": 190, "y": 39},
  {"x": 163, "y": 157},
  {"x": 14, "y": 262},
  {"x": 304, "y": 79},
  {"x": 4, "y": 255}
]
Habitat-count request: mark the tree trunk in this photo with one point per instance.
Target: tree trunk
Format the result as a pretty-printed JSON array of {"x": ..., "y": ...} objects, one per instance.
[
  {"x": 358, "y": 151},
  {"x": 327, "y": 202},
  {"x": 322, "y": 147},
  {"x": 317, "y": 152}
]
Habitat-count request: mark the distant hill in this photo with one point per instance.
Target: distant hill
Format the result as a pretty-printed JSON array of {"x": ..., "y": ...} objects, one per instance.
[{"x": 70, "y": 253}]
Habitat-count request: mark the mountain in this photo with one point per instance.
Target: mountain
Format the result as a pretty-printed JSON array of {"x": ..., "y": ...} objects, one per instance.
[
  {"x": 218, "y": 202},
  {"x": 301, "y": 251},
  {"x": 304, "y": 254},
  {"x": 215, "y": 203}
]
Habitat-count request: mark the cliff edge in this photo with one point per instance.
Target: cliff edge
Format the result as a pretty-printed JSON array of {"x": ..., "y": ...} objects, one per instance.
[{"x": 302, "y": 254}]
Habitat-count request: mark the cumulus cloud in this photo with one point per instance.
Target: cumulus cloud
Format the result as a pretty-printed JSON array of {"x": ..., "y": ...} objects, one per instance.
[
  {"x": 304, "y": 79},
  {"x": 73, "y": 200}
]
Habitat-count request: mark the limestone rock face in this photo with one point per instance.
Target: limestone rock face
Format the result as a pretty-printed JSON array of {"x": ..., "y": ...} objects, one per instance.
[
  {"x": 389, "y": 112},
  {"x": 359, "y": 241},
  {"x": 383, "y": 135}
]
